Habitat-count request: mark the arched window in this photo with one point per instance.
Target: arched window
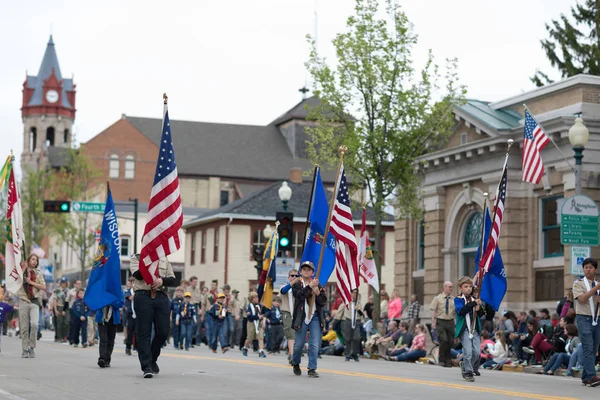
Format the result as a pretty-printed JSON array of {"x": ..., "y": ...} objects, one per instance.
[
  {"x": 114, "y": 166},
  {"x": 32, "y": 139},
  {"x": 66, "y": 136},
  {"x": 50, "y": 136},
  {"x": 129, "y": 167},
  {"x": 470, "y": 243}
]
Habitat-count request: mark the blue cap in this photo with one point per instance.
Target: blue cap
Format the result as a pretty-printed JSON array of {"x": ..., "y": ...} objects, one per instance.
[{"x": 64, "y": 279}]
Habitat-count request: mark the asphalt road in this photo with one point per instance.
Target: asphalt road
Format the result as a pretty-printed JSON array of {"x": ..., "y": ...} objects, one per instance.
[{"x": 66, "y": 373}]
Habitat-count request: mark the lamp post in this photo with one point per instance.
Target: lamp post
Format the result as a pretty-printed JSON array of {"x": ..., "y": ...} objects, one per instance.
[
  {"x": 578, "y": 136},
  {"x": 285, "y": 194},
  {"x": 267, "y": 232}
]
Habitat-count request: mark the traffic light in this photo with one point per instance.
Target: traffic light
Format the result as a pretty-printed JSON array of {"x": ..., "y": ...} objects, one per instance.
[
  {"x": 285, "y": 229},
  {"x": 57, "y": 206}
]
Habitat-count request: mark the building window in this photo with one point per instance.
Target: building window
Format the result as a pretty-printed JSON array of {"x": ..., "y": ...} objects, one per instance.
[
  {"x": 66, "y": 136},
  {"x": 203, "y": 249},
  {"x": 32, "y": 139},
  {"x": 224, "y": 197},
  {"x": 216, "y": 246},
  {"x": 125, "y": 245},
  {"x": 129, "y": 167},
  {"x": 418, "y": 288},
  {"x": 463, "y": 138},
  {"x": 50, "y": 136},
  {"x": 258, "y": 240},
  {"x": 113, "y": 167},
  {"x": 193, "y": 249},
  {"x": 549, "y": 285},
  {"x": 421, "y": 249},
  {"x": 470, "y": 243},
  {"x": 297, "y": 246},
  {"x": 551, "y": 227}
]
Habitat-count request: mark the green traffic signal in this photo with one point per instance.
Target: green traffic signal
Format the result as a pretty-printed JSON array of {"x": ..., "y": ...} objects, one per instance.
[
  {"x": 283, "y": 242},
  {"x": 64, "y": 207}
]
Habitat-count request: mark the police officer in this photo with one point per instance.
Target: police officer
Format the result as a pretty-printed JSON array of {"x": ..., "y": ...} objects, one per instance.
[{"x": 151, "y": 305}]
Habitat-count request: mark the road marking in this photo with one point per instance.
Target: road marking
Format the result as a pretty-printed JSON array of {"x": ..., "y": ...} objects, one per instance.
[
  {"x": 487, "y": 390},
  {"x": 9, "y": 396}
]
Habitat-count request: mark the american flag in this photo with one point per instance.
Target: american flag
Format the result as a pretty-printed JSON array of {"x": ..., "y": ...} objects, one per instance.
[
  {"x": 346, "y": 249},
  {"x": 535, "y": 139},
  {"x": 165, "y": 214},
  {"x": 490, "y": 249}
]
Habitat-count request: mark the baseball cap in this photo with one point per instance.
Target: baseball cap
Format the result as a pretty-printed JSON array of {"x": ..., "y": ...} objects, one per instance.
[
  {"x": 220, "y": 296},
  {"x": 187, "y": 294},
  {"x": 308, "y": 264}
]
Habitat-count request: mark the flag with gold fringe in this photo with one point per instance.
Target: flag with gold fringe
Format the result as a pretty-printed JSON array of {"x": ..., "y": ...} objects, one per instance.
[{"x": 269, "y": 271}]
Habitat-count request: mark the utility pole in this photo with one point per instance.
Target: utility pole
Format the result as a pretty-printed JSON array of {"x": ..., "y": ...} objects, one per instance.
[{"x": 135, "y": 223}]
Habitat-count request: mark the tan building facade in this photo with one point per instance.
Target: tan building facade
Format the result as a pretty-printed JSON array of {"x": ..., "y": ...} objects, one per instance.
[{"x": 443, "y": 246}]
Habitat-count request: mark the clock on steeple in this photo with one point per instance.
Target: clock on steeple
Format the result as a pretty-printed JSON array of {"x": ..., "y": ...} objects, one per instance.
[{"x": 48, "y": 112}]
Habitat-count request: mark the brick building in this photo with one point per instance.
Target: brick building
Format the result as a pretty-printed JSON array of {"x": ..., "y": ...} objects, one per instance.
[{"x": 443, "y": 246}]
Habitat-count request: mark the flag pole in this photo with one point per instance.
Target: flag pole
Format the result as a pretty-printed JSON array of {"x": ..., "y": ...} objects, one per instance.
[
  {"x": 552, "y": 140},
  {"x": 310, "y": 204},
  {"x": 481, "y": 242},
  {"x": 342, "y": 150}
]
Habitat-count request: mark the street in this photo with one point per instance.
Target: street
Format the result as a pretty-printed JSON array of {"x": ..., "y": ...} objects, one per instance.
[{"x": 65, "y": 373}]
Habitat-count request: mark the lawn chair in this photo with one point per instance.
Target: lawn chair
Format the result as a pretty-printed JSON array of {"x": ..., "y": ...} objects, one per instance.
[{"x": 434, "y": 352}]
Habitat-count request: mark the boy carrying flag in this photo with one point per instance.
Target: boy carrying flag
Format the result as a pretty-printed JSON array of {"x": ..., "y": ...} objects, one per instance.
[{"x": 468, "y": 311}]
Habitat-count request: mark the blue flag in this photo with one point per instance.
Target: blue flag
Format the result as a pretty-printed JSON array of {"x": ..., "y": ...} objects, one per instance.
[
  {"x": 494, "y": 284},
  {"x": 319, "y": 212},
  {"x": 104, "y": 286}
]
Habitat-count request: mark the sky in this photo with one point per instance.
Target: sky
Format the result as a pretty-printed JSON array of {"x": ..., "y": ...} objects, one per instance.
[{"x": 240, "y": 61}]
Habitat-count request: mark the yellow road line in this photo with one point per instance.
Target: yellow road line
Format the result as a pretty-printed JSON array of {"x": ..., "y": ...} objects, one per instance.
[{"x": 385, "y": 378}]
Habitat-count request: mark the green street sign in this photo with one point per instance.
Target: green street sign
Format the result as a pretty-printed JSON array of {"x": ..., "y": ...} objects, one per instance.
[
  {"x": 87, "y": 207},
  {"x": 579, "y": 221}
]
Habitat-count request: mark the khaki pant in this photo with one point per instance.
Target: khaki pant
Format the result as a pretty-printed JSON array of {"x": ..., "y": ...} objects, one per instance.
[
  {"x": 288, "y": 331},
  {"x": 29, "y": 319},
  {"x": 384, "y": 347},
  {"x": 91, "y": 329}
]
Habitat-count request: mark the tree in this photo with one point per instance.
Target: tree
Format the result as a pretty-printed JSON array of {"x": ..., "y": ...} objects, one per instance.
[
  {"x": 35, "y": 222},
  {"x": 573, "y": 48},
  {"x": 381, "y": 108},
  {"x": 77, "y": 181}
]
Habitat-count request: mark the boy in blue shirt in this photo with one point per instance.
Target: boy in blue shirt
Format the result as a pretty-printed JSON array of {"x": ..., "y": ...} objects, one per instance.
[
  {"x": 4, "y": 310},
  {"x": 176, "y": 304},
  {"x": 79, "y": 312},
  {"x": 468, "y": 328},
  {"x": 186, "y": 320},
  {"x": 255, "y": 328},
  {"x": 218, "y": 312},
  {"x": 107, "y": 318},
  {"x": 275, "y": 320}
]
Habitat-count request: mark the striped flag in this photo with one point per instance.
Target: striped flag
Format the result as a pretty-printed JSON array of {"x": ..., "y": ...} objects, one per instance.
[
  {"x": 268, "y": 274},
  {"x": 162, "y": 234},
  {"x": 346, "y": 249},
  {"x": 492, "y": 244},
  {"x": 535, "y": 139},
  {"x": 15, "y": 237},
  {"x": 368, "y": 269}
]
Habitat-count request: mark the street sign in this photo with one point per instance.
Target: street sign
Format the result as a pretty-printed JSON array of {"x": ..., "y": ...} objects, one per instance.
[
  {"x": 283, "y": 265},
  {"x": 579, "y": 221},
  {"x": 87, "y": 207},
  {"x": 578, "y": 254}
]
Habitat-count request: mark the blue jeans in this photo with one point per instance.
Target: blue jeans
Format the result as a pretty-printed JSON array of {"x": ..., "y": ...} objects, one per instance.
[
  {"x": 229, "y": 321},
  {"x": 217, "y": 332},
  {"x": 187, "y": 330},
  {"x": 397, "y": 352},
  {"x": 556, "y": 361},
  {"x": 575, "y": 357},
  {"x": 177, "y": 339},
  {"x": 489, "y": 364},
  {"x": 208, "y": 323},
  {"x": 411, "y": 355},
  {"x": 590, "y": 339},
  {"x": 314, "y": 342},
  {"x": 471, "y": 350}
]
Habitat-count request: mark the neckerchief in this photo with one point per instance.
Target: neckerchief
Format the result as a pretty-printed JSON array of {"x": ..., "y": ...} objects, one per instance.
[
  {"x": 184, "y": 313},
  {"x": 28, "y": 287},
  {"x": 308, "y": 304},
  {"x": 592, "y": 300},
  {"x": 290, "y": 296}
]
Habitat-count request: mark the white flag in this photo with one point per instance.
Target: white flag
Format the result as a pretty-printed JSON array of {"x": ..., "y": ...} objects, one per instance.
[
  {"x": 368, "y": 269},
  {"x": 14, "y": 236}
]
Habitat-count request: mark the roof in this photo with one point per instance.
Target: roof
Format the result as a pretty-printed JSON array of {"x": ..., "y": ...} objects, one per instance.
[
  {"x": 127, "y": 207},
  {"x": 59, "y": 156},
  {"x": 228, "y": 150},
  {"x": 263, "y": 204},
  {"x": 299, "y": 111},
  {"x": 500, "y": 120},
  {"x": 49, "y": 64}
]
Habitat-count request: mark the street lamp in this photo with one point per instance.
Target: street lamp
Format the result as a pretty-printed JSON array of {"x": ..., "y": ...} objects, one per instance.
[
  {"x": 268, "y": 231},
  {"x": 578, "y": 136},
  {"x": 285, "y": 194}
]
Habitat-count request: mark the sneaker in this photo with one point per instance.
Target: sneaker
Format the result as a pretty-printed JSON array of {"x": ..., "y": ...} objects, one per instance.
[
  {"x": 529, "y": 350},
  {"x": 497, "y": 367},
  {"x": 312, "y": 373},
  {"x": 347, "y": 359},
  {"x": 262, "y": 354},
  {"x": 128, "y": 352},
  {"x": 476, "y": 373},
  {"x": 148, "y": 373},
  {"x": 355, "y": 357},
  {"x": 469, "y": 378},
  {"x": 31, "y": 353},
  {"x": 155, "y": 369},
  {"x": 297, "y": 370},
  {"x": 214, "y": 351},
  {"x": 593, "y": 382},
  {"x": 84, "y": 345},
  {"x": 245, "y": 352},
  {"x": 101, "y": 363},
  {"x": 25, "y": 354},
  {"x": 568, "y": 373},
  {"x": 577, "y": 368},
  {"x": 225, "y": 349}
]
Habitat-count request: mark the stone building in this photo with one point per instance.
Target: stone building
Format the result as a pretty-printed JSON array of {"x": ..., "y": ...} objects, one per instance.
[{"x": 443, "y": 246}]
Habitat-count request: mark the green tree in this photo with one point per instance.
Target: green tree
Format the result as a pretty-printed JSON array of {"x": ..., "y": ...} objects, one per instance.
[
  {"x": 78, "y": 181},
  {"x": 35, "y": 222},
  {"x": 573, "y": 47},
  {"x": 376, "y": 103}
]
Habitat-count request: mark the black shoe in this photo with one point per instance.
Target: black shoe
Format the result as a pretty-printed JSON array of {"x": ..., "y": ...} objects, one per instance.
[
  {"x": 355, "y": 357},
  {"x": 297, "y": 370},
  {"x": 476, "y": 373},
  {"x": 155, "y": 369},
  {"x": 312, "y": 373},
  {"x": 128, "y": 352},
  {"x": 469, "y": 377},
  {"x": 101, "y": 363},
  {"x": 148, "y": 373}
]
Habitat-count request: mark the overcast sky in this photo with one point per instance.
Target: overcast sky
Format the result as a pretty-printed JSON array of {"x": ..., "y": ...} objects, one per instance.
[{"x": 240, "y": 61}]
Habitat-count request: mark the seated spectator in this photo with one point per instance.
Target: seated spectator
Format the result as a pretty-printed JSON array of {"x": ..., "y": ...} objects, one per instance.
[
  {"x": 395, "y": 305},
  {"x": 566, "y": 303},
  {"x": 555, "y": 318},
  {"x": 545, "y": 317},
  {"x": 390, "y": 339},
  {"x": 543, "y": 341},
  {"x": 498, "y": 351},
  {"x": 417, "y": 350},
  {"x": 403, "y": 343},
  {"x": 574, "y": 364},
  {"x": 509, "y": 323},
  {"x": 515, "y": 338},
  {"x": 525, "y": 340},
  {"x": 532, "y": 316},
  {"x": 560, "y": 358},
  {"x": 485, "y": 340}
]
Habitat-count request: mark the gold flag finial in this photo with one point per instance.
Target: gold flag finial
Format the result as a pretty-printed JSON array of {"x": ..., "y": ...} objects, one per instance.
[
  {"x": 165, "y": 98},
  {"x": 343, "y": 149}
]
